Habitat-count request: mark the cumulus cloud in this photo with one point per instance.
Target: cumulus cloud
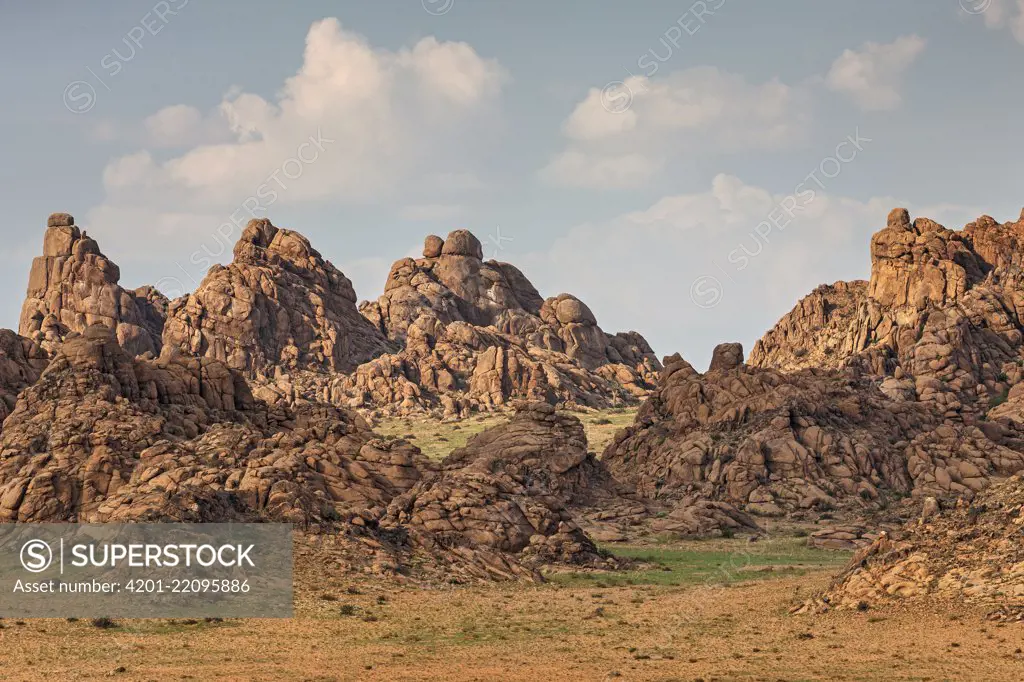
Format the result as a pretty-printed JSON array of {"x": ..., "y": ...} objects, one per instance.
[
  {"x": 355, "y": 125},
  {"x": 181, "y": 125},
  {"x": 705, "y": 268},
  {"x": 374, "y": 118},
  {"x": 621, "y": 135},
  {"x": 872, "y": 76},
  {"x": 597, "y": 170}
]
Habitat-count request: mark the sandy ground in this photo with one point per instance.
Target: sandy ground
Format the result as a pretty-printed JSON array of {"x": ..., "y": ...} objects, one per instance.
[{"x": 370, "y": 630}]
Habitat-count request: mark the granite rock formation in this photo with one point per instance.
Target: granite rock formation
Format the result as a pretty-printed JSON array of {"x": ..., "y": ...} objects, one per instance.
[
  {"x": 21, "y": 362},
  {"x": 502, "y": 502},
  {"x": 73, "y": 285},
  {"x": 773, "y": 442},
  {"x": 102, "y": 436},
  {"x": 971, "y": 552},
  {"x": 939, "y": 319},
  {"x": 278, "y": 307},
  {"x": 476, "y": 334}
]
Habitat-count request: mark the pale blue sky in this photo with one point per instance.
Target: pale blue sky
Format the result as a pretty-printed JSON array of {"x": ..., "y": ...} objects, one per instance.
[{"x": 487, "y": 115}]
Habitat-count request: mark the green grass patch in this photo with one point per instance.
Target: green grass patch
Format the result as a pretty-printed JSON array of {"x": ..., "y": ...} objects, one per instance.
[{"x": 717, "y": 562}]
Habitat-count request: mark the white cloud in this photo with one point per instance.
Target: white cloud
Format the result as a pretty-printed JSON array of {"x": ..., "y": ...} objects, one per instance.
[
  {"x": 384, "y": 118},
  {"x": 636, "y": 270},
  {"x": 182, "y": 125},
  {"x": 873, "y": 75},
  {"x": 621, "y": 135},
  {"x": 355, "y": 124}
]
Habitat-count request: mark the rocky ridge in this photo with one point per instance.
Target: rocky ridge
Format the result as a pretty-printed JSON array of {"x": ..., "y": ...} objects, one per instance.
[
  {"x": 777, "y": 443},
  {"x": 105, "y": 437},
  {"x": 278, "y": 307},
  {"x": 938, "y": 321}
]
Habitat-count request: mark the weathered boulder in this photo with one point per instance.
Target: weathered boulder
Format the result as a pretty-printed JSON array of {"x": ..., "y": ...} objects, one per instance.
[
  {"x": 502, "y": 502},
  {"x": 21, "y": 362}
]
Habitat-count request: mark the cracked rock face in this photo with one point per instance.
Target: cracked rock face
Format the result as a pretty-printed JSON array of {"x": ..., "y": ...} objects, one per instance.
[
  {"x": 502, "y": 503},
  {"x": 279, "y": 306},
  {"x": 73, "y": 285},
  {"x": 476, "y": 334}
]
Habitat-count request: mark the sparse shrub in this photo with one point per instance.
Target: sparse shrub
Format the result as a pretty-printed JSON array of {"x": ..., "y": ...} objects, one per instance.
[
  {"x": 800, "y": 352},
  {"x": 347, "y": 610},
  {"x": 328, "y": 597},
  {"x": 601, "y": 421},
  {"x": 997, "y": 400},
  {"x": 103, "y": 623}
]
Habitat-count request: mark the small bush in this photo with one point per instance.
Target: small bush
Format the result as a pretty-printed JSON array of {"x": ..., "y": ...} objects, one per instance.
[
  {"x": 997, "y": 400},
  {"x": 602, "y": 421},
  {"x": 347, "y": 610},
  {"x": 103, "y": 623}
]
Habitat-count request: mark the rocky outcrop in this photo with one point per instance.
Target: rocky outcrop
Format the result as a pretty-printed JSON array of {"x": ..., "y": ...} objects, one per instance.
[
  {"x": 969, "y": 552},
  {"x": 816, "y": 332},
  {"x": 521, "y": 494},
  {"x": 21, "y": 362},
  {"x": 939, "y": 318},
  {"x": 73, "y": 285},
  {"x": 278, "y": 307},
  {"x": 508, "y": 492},
  {"x": 477, "y": 335},
  {"x": 102, "y": 436},
  {"x": 773, "y": 442}
]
